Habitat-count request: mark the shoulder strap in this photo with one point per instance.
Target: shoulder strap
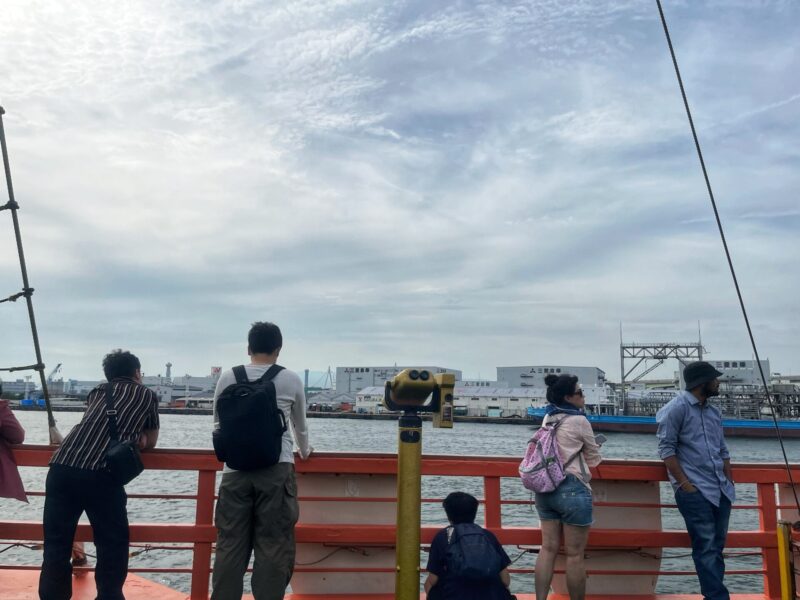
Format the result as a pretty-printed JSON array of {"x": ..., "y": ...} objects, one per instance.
[
  {"x": 111, "y": 413},
  {"x": 271, "y": 373},
  {"x": 555, "y": 423},
  {"x": 578, "y": 453},
  {"x": 240, "y": 374},
  {"x": 573, "y": 457}
]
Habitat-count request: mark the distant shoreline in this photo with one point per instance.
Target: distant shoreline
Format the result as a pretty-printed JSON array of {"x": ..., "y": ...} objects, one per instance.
[{"x": 310, "y": 415}]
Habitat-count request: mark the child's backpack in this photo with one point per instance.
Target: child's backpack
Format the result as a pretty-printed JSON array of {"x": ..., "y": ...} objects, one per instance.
[
  {"x": 542, "y": 469},
  {"x": 251, "y": 425},
  {"x": 471, "y": 555}
]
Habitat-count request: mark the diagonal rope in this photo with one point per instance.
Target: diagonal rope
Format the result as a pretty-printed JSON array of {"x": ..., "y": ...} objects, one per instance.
[{"x": 727, "y": 252}]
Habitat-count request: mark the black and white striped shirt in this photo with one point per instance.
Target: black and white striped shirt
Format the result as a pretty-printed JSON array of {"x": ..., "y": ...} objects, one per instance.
[{"x": 86, "y": 445}]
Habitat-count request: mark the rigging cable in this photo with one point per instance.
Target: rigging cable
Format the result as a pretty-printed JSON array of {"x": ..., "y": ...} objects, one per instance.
[
  {"x": 728, "y": 255},
  {"x": 27, "y": 290}
]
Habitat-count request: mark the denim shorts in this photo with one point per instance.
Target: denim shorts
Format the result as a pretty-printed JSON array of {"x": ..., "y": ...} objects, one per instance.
[{"x": 570, "y": 503}]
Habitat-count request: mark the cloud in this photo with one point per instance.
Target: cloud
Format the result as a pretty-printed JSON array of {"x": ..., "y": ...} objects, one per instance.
[{"x": 470, "y": 184}]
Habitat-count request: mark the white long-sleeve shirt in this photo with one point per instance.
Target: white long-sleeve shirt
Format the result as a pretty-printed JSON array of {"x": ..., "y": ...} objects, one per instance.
[{"x": 291, "y": 400}]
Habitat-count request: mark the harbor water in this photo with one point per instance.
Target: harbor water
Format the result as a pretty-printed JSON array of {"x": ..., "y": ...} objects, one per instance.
[{"x": 344, "y": 435}]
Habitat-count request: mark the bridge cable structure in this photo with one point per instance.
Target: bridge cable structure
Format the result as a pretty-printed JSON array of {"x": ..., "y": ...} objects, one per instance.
[
  {"x": 27, "y": 290},
  {"x": 770, "y": 401}
]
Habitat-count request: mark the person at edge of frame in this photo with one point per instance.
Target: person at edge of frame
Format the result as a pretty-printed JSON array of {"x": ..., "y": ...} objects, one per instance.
[
  {"x": 692, "y": 445},
  {"x": 11, "y": 433}
]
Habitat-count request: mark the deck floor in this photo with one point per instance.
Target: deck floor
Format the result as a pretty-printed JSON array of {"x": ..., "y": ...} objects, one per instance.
[
  {"x": 19, "y": 584},
  {"x": 23, "y": 584}
]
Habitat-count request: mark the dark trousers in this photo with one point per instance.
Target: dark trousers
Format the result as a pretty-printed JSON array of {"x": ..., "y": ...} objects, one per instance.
[
  {"x": 256, "y": 510},
  {"x": 68, "y": 493},
  {"x": 708, "y": 527}
]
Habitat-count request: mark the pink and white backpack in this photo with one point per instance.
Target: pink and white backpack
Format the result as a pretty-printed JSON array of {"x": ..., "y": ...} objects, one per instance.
[{"x": 542, "y": 469}]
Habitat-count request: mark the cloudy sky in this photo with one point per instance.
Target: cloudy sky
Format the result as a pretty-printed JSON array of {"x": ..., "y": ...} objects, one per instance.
[{"x": 469, "y": 184}]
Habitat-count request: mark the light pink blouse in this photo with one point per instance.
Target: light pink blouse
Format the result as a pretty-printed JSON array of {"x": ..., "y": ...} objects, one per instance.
[{"x": 573, "y": 436}]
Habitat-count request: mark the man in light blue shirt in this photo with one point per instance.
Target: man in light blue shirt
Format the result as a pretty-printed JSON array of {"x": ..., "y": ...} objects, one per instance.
[{"x": 692, "y": 445}]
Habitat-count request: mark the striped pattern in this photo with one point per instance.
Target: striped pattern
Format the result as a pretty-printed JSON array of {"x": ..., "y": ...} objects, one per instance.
[{"x": 86, "y": 445}]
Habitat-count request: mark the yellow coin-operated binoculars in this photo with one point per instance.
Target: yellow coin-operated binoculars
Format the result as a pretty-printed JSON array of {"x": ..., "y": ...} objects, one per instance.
[{"x": 408, "y": 391}]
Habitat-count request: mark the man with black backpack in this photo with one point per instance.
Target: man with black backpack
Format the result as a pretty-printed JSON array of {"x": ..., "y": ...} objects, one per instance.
[
  {"x": 255, "y": 408},
  {"x": 466, "y": 562}
]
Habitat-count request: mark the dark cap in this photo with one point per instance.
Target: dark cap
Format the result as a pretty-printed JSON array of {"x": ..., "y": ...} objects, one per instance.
[{"x": 698, "y": 373}]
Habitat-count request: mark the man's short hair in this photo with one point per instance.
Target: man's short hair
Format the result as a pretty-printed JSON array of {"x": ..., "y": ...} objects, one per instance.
[
  {"x": 460, "y": 507},
  {"x": 264, "y": 338},
  {"x": 120, "y": 363}
]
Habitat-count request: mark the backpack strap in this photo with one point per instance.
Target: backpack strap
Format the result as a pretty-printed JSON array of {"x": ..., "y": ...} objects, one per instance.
[
  {"x": 578, "y": 453},
  {"x": 548, "y": 422},
  {"x": 271, "y": 373},
  {"x": 573, "y": 457},
  {"x": 241, "y": 374},
  {"x": 451, "y": 531},
  {"x": 111, "y": 413}
]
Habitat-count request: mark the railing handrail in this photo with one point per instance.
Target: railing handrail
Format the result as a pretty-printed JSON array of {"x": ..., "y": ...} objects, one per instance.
[
  {"x": 202, "y": 534},
  {"x": 203, "y": 459}
]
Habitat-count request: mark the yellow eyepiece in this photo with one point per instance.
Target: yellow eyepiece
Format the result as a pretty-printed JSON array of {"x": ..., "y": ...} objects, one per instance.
[{"x": 411, "y": 387}]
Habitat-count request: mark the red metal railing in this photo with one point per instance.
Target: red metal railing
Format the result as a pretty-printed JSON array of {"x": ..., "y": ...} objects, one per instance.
[{"x": 200, "y": 535}]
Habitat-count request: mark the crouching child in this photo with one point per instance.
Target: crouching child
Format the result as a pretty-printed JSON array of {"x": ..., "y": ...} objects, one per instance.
[{"x": 466, "y": 562}]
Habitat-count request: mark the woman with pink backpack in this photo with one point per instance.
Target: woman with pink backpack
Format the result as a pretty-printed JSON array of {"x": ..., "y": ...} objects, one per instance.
[{"x": 568, "y": 507}]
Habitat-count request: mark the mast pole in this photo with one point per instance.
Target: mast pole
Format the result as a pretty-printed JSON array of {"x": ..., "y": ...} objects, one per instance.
[{"x": 27, "y": 290}]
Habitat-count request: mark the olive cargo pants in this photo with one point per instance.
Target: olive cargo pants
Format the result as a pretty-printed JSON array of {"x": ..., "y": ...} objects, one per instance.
[{"x": 257, "y": 510}]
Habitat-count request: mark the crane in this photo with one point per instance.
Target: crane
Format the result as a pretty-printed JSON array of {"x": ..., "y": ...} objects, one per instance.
[{"x": 53, "y": 373}]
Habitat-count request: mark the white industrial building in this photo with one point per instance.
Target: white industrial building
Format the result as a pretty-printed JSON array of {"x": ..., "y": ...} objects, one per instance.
[
  {"x": 161, "y": 386},
  {"x": 18, "y": 386},
  {"x": 194, "y": 383},
  {"x": 741, "y": 372},
  {"x": 533, "y": 376},
  {"x": 351, "y": 380},
  {"x": 76, "y": 387},
  {"x": 736, "y": 372},
  {"x": 479, "y": 401},
  {"x": 477, "y": 383}
]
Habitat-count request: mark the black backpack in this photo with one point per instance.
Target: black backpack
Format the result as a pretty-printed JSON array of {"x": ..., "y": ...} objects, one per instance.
[
  {"x": 251, "y": 426},
  {"x": 471, "y": 555}
]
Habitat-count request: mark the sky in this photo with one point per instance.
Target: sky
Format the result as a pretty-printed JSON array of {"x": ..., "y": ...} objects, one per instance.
[{"x": 464, "y": 184}]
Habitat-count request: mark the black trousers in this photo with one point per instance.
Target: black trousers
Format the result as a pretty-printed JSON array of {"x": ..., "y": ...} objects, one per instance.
[{"x": 68, "y": 493}]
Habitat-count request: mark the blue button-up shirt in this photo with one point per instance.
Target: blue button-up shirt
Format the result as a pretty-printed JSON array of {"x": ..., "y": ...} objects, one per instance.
[{"x": 693, "y": 432}]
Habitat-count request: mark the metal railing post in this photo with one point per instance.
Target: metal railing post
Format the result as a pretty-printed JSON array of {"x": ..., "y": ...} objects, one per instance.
[
  {"x": 768, "y": 522},
  {"x": 786, "y": 560},
  {"x": 492, "y": 507},
  {"x": 204, "y": 515}
]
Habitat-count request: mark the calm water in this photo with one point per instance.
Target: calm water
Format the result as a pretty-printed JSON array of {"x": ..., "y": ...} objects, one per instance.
[{"x": 340, "y": 435}]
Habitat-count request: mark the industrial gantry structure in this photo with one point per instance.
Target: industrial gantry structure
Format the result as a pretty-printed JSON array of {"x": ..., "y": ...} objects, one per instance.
[{"x": 653, "y": 356}]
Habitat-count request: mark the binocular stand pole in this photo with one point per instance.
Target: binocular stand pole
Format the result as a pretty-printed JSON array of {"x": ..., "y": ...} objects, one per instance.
[{"x": 409, "y": 455}]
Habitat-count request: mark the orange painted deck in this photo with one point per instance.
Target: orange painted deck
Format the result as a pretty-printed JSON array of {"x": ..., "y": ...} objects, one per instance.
[
  {"x": 22, "y": 585},
  {"x": 198, "y": 537}
]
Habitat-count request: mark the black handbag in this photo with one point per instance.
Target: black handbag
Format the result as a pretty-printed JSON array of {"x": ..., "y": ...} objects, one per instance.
[{"x": 124, "y": 463}]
